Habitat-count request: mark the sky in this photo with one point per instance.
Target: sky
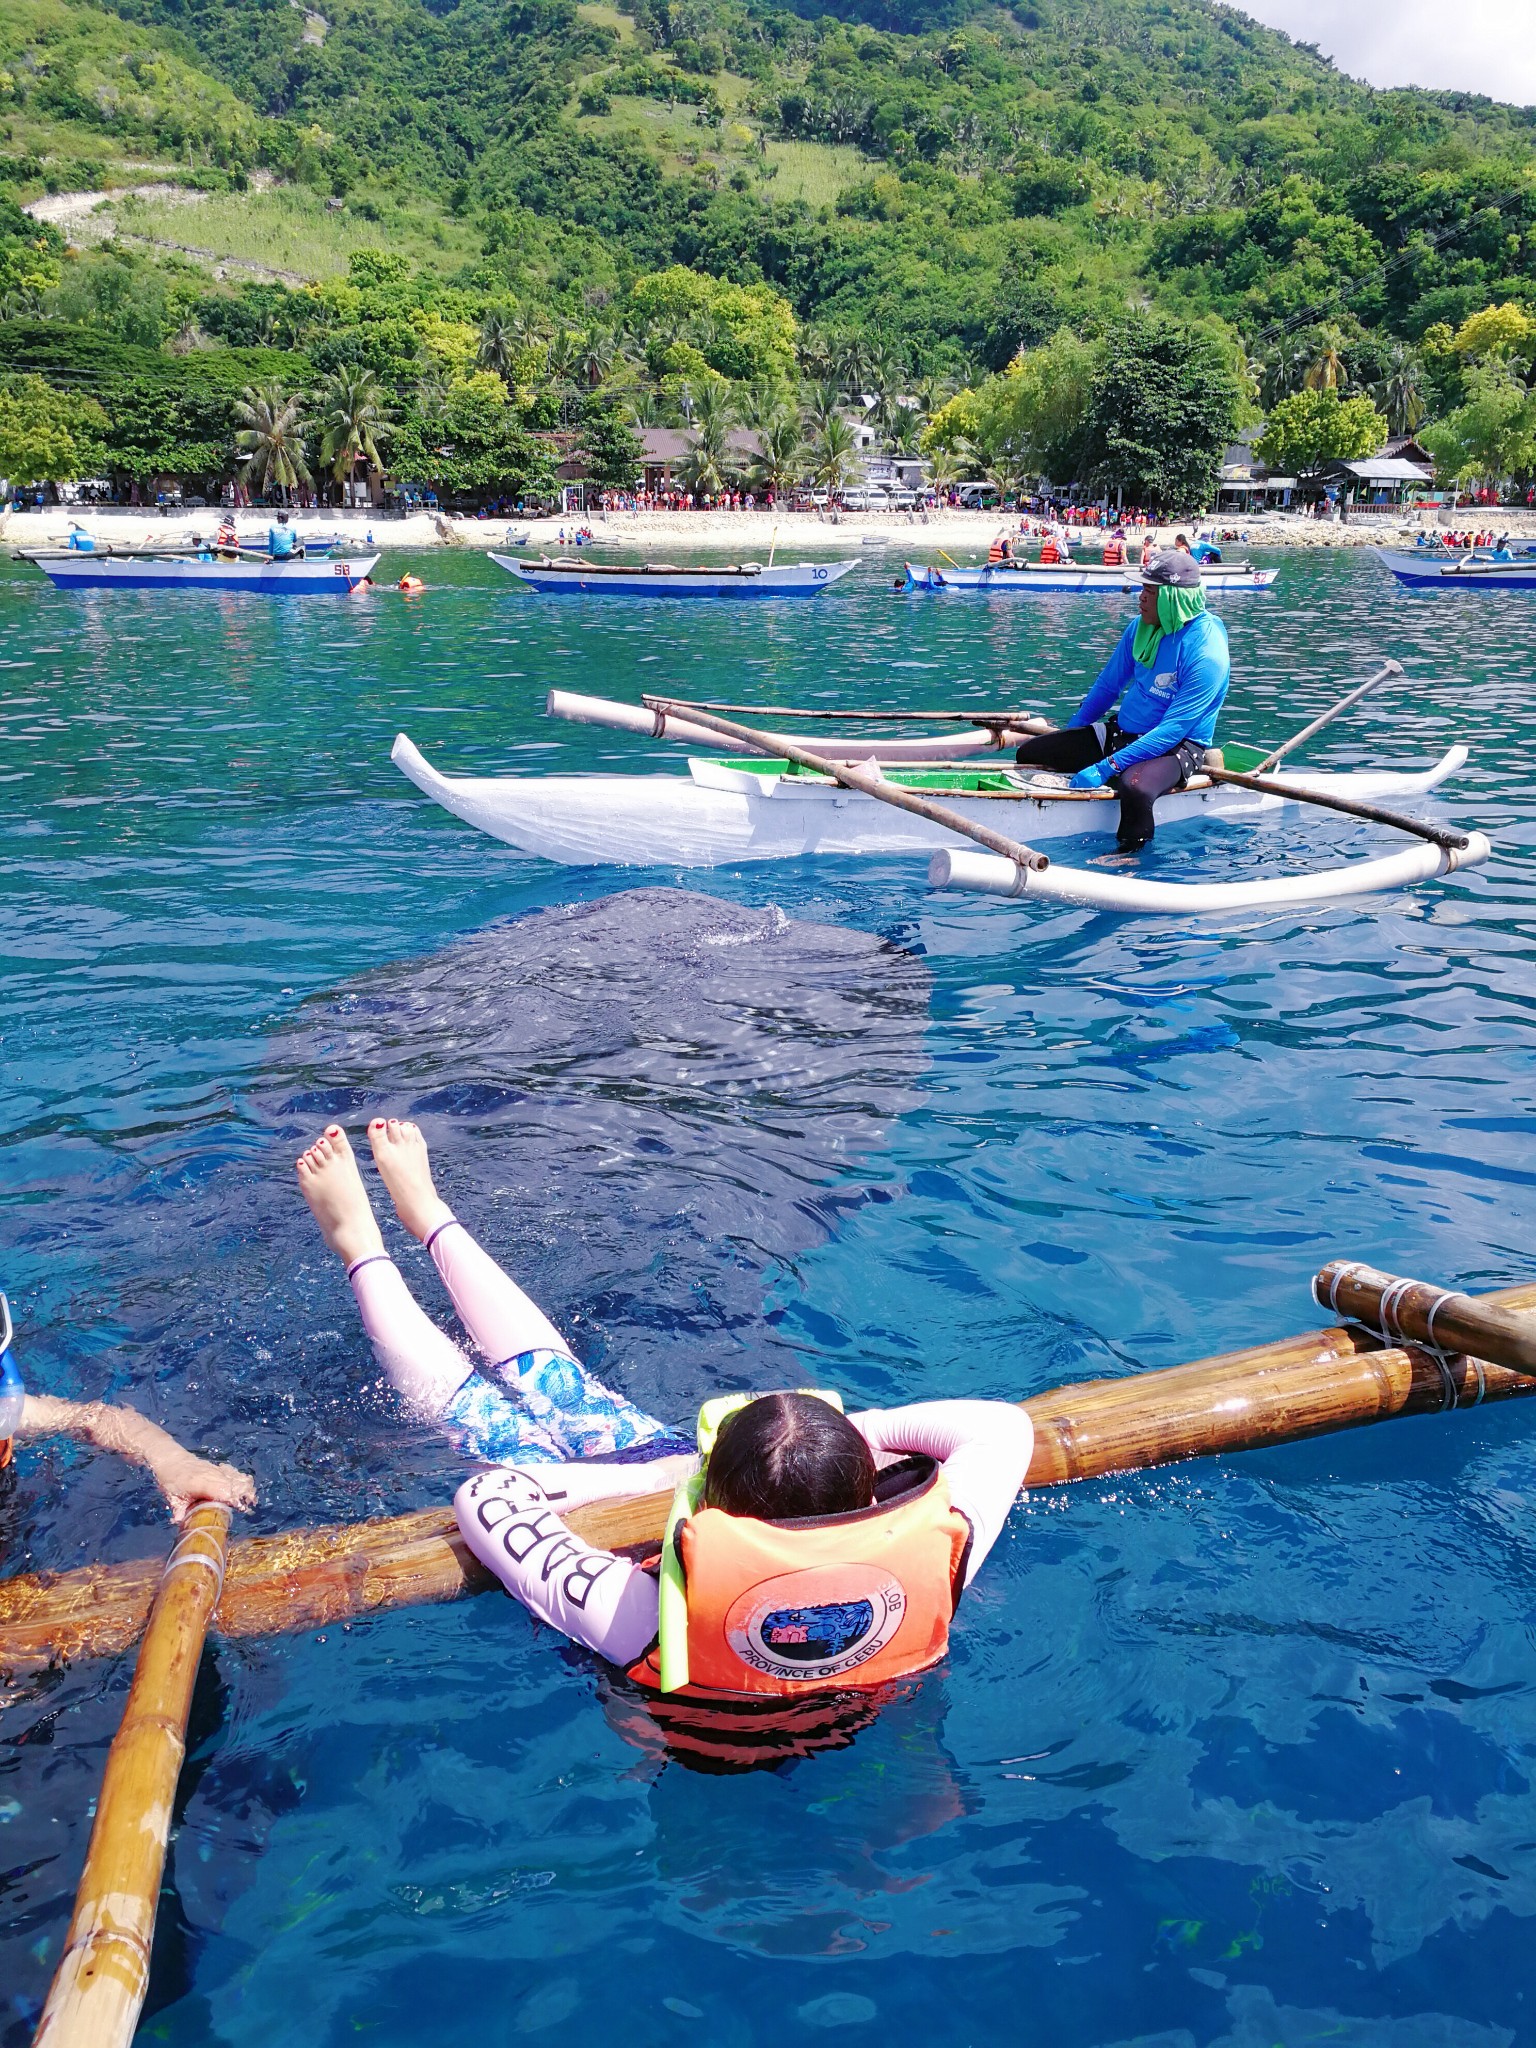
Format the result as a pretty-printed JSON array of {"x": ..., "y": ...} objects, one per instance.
[{"x": 1486, "y": 46}]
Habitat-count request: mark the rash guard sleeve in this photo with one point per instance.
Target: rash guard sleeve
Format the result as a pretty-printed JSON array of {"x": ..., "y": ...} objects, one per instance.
[
  {"x": 510, "y": 1519},
  {"x": 1113, "y": 677},
  {"x": 984, "y": 1448}
]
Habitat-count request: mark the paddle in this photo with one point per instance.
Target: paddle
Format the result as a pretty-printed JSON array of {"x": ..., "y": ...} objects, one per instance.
[{"x": 866, "y": 780}]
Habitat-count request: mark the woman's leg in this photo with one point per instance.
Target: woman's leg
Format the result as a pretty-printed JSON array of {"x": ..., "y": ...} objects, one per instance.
[
  {"x": 428, "y": 1371},
  {"x": 587, "y": 1419}
]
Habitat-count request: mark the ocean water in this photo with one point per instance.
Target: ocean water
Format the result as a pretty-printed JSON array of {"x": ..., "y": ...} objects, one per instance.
[{"x": 1227, "y": 1755}]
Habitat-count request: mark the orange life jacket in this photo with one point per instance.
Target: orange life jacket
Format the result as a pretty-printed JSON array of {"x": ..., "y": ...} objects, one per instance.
[
  {"x": 7, "y": 1450},
  {"x": 789, "y": 1609},
  {"x": 1049, "y": 552},
  {"x": 1114, "y": 554}
]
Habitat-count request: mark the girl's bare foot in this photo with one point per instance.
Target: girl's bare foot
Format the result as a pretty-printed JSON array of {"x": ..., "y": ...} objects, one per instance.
[
  {"x": 400, "y": 1153},
  {"x": 333, "y": 1187}
]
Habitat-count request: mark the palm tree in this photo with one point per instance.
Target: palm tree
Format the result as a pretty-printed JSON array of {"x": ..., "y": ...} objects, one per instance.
[
  {"x": 498, "y": 350},
  {"x": 824, "y": 403},
  {"x": 1327, "y": 371},
  {"x": 1400, "y": 392},
  {"x": 646, "y": 407},
  {"x": 833, "y": 453},
  {"x": 352, "y": 420},
  {"x": 270, "y": 438},
  {"x": 597, "y": 356},
  {"x": 715, "y": 407},
  {"x": 781, "y": 453},
  {"x": 707, "y": 464}
]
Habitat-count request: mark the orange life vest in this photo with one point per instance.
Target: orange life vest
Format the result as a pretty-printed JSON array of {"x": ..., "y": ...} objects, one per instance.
[
  {"x": 789, "y": 1609},
  {"x": 1049, "y": 552},
  {"x": 1114, "y": 554},
  {"x": 7, "y": 1449},
  {"x": 998, "y": 552}
]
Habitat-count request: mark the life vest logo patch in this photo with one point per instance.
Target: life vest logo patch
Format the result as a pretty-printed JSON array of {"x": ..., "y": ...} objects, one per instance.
[{"x": 816, "y": 1624}]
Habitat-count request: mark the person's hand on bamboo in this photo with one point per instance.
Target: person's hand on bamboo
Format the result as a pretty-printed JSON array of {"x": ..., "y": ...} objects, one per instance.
[{"x": 183, "y": 1477}]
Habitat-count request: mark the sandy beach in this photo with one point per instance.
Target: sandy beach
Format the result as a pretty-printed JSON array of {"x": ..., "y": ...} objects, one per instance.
[{"x": 745, "y": 535}]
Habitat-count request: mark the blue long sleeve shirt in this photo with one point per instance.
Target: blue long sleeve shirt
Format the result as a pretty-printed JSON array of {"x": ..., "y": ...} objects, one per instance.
[{"x": 1178, "y": 698}]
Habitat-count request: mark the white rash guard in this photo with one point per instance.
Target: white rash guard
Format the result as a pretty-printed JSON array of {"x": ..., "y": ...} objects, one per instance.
[{"x": 510, "y": 1516}]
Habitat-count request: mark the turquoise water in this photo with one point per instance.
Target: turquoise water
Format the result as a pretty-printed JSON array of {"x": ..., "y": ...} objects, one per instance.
[{"x": 1235, "y": 1754}]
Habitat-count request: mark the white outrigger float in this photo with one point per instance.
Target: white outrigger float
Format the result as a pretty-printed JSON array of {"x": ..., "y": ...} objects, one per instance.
[{"x": 934, "y": 795}]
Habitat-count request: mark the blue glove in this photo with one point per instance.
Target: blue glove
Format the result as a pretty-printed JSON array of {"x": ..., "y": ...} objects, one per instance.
[{"x": 1089, "y": 778}]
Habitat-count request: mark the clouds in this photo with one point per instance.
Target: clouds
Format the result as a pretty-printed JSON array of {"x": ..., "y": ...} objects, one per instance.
[{"x": 1486, "y": 46}]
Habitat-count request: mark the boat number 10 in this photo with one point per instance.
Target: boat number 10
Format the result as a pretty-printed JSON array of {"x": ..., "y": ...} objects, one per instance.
[{"x": 819, "y": 575}]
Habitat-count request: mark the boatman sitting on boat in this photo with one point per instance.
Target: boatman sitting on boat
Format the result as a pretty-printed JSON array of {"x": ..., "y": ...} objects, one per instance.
[
  {"x": 1171, "y": 668},
  {"x": 280, "y": 539}
]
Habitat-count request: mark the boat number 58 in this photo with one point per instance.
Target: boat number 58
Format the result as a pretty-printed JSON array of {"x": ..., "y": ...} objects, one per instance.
[{"x": 341, "y": 568}]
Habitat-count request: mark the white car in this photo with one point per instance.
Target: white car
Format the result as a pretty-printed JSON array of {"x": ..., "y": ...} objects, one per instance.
[{"x": 866, "y": 498}]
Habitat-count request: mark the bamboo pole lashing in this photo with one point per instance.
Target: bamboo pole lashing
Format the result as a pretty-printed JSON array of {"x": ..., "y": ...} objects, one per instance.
[
  {"x": 866, "y": 780},
  {"x": 99, "y": 1985},
  {"x": 1412, "y": 1311},
  {"x": 1270, "y": 1394}
]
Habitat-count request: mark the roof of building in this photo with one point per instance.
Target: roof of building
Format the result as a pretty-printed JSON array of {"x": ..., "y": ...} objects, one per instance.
[{"x": 1388, "y": 469}]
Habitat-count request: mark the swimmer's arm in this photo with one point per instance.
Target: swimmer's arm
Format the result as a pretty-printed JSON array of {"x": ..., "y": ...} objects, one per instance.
[
  {"x": 984, "y": 1448},
  {"x": 183, "y": 1478},
  {"x": 513, "y": 1526}
]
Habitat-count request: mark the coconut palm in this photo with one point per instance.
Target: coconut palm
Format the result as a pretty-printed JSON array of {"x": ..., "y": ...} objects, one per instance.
[
  {"x": 271, "y": 438},
  {"x": 597, "y": 356},
  {"x": 834, "y": 451},
  {"x": 1400, "y": 392},
  {"x": 781, "y": 453},
  {"x": 706, "y": 466},
  {"x": 351, "y": 419},
  {"x": 498, "y": 348},
  {"x": 1328, "y": 371},
  {"x": 646, "y": 407},
  {"x": 715, "y": 407},
  {"x": 823, "y": 403}
]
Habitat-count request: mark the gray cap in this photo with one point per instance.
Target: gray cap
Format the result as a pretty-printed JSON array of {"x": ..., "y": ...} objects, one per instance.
[{"x": 1171, "y": 567}]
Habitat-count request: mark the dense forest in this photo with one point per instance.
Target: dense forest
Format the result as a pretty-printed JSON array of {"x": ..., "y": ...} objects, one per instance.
[{"x": 607, "y": 211}]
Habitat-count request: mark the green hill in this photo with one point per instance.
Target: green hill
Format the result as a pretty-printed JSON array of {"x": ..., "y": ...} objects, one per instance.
[{"x": 949, "y": 180}]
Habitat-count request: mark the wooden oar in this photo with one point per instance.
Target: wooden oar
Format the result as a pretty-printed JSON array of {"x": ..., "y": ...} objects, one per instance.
[
  {"x": 866, "y": 780},
  {"x": 1270, "y": 1394},
  {"x": 1437, "y": 835},
  {"x": 98, "y": 1988},
  {"x": 1388, "y": 668}
]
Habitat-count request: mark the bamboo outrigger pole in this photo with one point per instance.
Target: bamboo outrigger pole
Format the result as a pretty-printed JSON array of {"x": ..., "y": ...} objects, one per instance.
[
  {"x": 98, "y": 1988},
  {"x": 1310, "y": 1385}
]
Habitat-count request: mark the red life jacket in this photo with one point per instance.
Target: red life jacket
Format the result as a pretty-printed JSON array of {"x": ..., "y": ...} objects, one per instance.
[
  {"x": 1049, "y": 552},
  {"x": 1114, "y": 554},
  {"x": 7, "y": 1451}
]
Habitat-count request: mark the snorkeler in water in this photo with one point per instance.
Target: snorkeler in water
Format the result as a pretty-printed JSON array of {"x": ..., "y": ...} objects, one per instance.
[{"x": 807, "y": 1550}]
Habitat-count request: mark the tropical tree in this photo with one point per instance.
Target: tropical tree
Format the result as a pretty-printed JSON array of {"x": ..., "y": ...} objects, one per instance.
[
  {"x": 1400, "y": 390},
  {"x": 351, "y": 419},
  {"x": 596, "y": 356},
  {"x": 271, "y": 438},
  {"x": 1492, "y": 435},
  {"x": 48, "y": 436},
  {"x": 824, "y": 403},
  {"x": 714, "y": 410},
  {"x": 1311, "y": 429},
  {"x": 781, "y": 452},
  {"x": 1327, "y": 370},
  {"x": 1166, "y": 402},
  {"x": 1497, "y": 334},
  {"x": 706, "y": 467},
  {"x": 834, "y": 451},
  {"x": 497, "y": 350}
]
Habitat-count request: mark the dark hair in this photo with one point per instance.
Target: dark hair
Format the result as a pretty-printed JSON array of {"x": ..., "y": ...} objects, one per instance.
[{"x": 786, "y": 1456}]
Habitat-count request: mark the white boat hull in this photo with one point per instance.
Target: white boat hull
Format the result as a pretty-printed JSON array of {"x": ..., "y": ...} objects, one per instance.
[
  {"x": 719, "y": 815},
  {"x": 1032, "y": 580},
  {"x": 326, "y": 577},
  {"x": 742, "y": 579},
  {"x": 1437, "y": 569}
]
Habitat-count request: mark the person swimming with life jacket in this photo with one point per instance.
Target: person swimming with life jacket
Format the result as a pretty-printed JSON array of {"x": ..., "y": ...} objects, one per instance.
[
  {"x": 809, "y": 1553},
  {"x": 1168, "y": 676}
]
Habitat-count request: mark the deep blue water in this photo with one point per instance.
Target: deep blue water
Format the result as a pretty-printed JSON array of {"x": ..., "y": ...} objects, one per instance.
[{"x": 1225, "y": 1756}]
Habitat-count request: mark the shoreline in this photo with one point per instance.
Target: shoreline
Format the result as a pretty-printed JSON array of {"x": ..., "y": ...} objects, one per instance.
[{"x": 748, "y": 534}]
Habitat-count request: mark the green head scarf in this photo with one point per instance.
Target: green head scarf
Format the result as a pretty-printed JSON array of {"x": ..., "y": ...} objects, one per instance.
[{"x": 1175, "y": 609}]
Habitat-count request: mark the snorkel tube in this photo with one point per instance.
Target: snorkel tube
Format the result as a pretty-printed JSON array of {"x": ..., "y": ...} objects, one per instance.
[
  {"x": 13, "y": 1395},
  {"x": 672, "y": 1590}
]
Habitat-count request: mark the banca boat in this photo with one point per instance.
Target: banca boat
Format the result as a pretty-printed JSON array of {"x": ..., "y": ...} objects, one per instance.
[
  {"x": 666, "y": 579},
  {"x": 203, "y": 569},
  {"x": 749, "y": 808},
  {"x": 1048, "y": 578},
  {"x": 1440, "y": 569}
]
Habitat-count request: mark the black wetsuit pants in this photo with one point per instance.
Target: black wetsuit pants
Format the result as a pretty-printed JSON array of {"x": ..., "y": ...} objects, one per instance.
[{"x": 1138, "y": 788}]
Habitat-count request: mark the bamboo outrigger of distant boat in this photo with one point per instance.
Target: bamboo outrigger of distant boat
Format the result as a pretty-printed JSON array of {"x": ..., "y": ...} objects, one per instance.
[
  {"x": 1038, "y": 579},
  {"x": 930, "y": 795},
  {"x": 1407, "y": 1348}
]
